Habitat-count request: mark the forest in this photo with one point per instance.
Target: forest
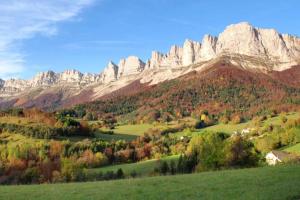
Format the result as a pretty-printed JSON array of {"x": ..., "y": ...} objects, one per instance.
[{"x": 50, "y": 155}]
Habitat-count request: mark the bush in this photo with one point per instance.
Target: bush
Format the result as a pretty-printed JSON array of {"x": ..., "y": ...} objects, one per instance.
[
  {"x": 56, "y": 177},
  {"x": 120, "y": 174},
  {"x": 284, "y": 119},
  {"x": 236, "y": 119},
  {"x": 267, "y": 143},
  {"x": 2, "y": 168},
  {"x": 172, "y": 167},
  {"x": 106, "y": 132},
  {"x": 71, "y": 171},
  {"x": 164, "y": 168},
  {"x": 224, "y": 119},
  {"x": 30, "y": 175},
  {"x": 240, "y": 153},
  {"x": 133, "y": 174},
  {"x": 109, "y": 175}
]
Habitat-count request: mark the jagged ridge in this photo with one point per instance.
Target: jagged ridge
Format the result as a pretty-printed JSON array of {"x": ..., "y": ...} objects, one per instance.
[{"x": 241, "y": 44}]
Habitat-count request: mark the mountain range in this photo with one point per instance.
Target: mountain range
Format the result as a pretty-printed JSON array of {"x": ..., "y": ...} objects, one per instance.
[{"x": 250, "y": 49}]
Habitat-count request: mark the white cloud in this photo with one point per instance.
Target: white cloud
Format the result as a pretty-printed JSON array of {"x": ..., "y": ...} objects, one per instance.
[
  {"x": 11, "y": 65},
  {"x": 102, "y": 44},
  {"x": 23, "y": 19}
]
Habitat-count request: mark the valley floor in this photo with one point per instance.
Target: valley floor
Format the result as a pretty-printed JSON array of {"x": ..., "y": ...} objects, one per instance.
[{"x": 281, "y": 182}]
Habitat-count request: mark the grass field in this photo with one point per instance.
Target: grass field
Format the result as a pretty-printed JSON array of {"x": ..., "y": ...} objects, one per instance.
[
  {"x": 293, "y": 149},
  {"x": 18, "y": 120},
  {"x": 17, "y": 139},
  {"x": 115, "y": 137},
  {"x": 128, "y": 132},
  {"x": 143, "y": 168},
  {"x": 277, "y": 119},
  {"x": 125, "y": 132},
  {"x": 137, "y": 130},
  {"x": 230, "y": 128},
  {"x": 276, "y": 183},
  {"x": 131, "y": 132}
]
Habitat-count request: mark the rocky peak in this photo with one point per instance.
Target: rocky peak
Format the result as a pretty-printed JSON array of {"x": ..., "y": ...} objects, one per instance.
[
  {"x": 43, "y": 79},
  {"x": 293, "y": 44},
  {"x": 174, "y": 57},
  {"x": 191, "y": 50},
  {"x": 110, "y": 73},
  {"x": 241, "y": 39},
  {"x": 238, "y": 41},
  {"x": 155, "y": 60},
  {"x": 131, "y": 65},
  {"x": 274, "y": 44},
  {"x": 1, "y": 83},
  {"x": 71, "y": 76},
  {"x": 89, "y": 78},
  {"x": 15, "y": 85},
  {"x": 208, "y": 47},
  {"x": 245, "y": 39},
  {"x": 75, "y": 76}
]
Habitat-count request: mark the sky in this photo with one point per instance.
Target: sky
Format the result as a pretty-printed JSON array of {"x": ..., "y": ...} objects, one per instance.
[{"x": 41, "y": 35}]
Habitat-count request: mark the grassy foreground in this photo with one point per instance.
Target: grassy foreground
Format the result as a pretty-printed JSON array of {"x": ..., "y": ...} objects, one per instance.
[{"x": 280, "y": 182}]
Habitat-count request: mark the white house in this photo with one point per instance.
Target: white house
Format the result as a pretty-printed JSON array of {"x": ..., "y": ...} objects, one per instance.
[
  {"x": 245, "y": 131},
  {"x": 275, "y": 157}
]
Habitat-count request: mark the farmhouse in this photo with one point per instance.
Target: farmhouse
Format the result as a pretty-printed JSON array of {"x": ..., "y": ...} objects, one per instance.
[{"x": 275, "y": 157}]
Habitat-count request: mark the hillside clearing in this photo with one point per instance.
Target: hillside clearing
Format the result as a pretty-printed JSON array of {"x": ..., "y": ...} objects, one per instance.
[
  {"x": 143, "y": 168},
  {"x": 230, "y": 128},
  {"x": 293, "y": 149}
]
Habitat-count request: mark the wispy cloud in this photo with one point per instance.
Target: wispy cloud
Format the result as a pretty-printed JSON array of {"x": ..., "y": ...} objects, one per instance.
[
  {"x": 24, "y": 19},
  {"x": 102, "y": 44},
  {"x": 180, "y": 22},
  {"x": 11, "y": 64}
]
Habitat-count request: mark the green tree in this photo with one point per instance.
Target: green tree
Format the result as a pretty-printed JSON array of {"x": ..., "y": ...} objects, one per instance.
[
  {"x": 120, "y": 174},
  {"x": 164, "y": 168},
  {"x": 172, "y": 167},
  {"x": 239, "y": 152},
  {"x": 208, "y": 148}
]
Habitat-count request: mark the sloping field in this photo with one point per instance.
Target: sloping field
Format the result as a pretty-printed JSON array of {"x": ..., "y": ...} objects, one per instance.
[
  {"x": 143, "y": 168},
  {"x": 258, "y": 183}
]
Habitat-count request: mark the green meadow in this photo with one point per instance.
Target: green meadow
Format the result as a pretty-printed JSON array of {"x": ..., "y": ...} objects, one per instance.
[
  {"x": 276, "y": 183},
  {"x": 293, "y": 149},
  {"x": 143, "y": 168},
  {"x": 230, "y": 128}
]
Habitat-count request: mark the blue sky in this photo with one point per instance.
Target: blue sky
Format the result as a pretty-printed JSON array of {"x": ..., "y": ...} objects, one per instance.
[{"x": 85, "y": 34}]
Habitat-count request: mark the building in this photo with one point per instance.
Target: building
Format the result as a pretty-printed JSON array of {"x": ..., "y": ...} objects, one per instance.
[{"x": 275, "y": 157}]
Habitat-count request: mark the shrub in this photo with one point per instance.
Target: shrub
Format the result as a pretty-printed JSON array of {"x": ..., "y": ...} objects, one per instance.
[
  {"x": 109, "y": 175},
  {"x": 239, "y": 153},
  {"x": 284, "y": 119},
  {"x": 267, "y": 143},
  {"x": 236, "y": 119},
  {"x": 172, "y": 167},
  {"x": 133, "y": 174},
  {"x": 56, "y": 177},
  {"x": 30, "y": 175},
  {"x": 2, "y": 168},
  {"x": 71, "y": 171},
  {"x": 120, "y": 174},
  {"x": 224, "y": 119},
  {"x": 164, "y": 168}
]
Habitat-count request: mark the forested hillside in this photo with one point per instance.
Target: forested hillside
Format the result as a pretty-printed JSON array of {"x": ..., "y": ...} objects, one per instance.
[{"x": 222, "y": 90}]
